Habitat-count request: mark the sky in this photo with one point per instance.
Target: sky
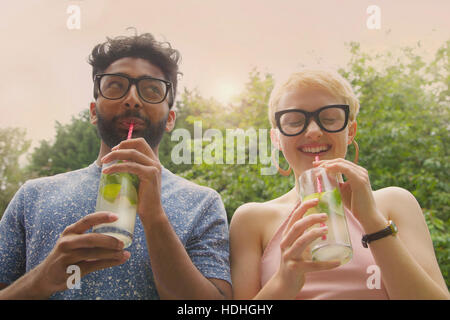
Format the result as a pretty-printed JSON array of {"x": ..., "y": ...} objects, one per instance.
[{"x": 46, "y": 43}]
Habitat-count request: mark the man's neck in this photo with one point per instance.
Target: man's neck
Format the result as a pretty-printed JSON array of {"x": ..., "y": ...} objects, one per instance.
[{"x": 104, "y": 150}]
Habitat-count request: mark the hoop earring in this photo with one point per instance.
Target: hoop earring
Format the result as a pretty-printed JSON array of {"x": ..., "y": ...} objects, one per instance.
[
  {"x": 355, "y": 144},
  {"x": 280, "y": 170}
]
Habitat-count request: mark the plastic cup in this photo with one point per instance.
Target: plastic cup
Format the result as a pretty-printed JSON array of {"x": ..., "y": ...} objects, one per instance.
[
  {"x": 336, "y": 245},
  {"x": 118, "y": 193}
]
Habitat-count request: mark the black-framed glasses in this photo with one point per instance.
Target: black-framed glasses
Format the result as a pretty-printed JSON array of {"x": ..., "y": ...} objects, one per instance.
[
  {"x": 114, "y": 86},
  {"x": 292, "y": 122}
]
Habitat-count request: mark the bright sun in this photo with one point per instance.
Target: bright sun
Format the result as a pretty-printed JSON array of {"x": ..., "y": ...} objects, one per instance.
[{"x": 225, "y": 91}]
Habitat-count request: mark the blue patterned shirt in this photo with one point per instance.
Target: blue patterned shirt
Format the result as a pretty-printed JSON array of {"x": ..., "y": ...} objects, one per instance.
[{"x": 44, "y": 207}]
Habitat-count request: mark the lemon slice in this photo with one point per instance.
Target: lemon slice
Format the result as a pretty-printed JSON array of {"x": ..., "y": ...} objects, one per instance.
[
  {"x": 314, "y": 209},
  {"x": 331, "y": 201},
  {"x": 128, "y": 187},
  {"x": 131, "y": 178},
  {"x": 311, "y": 196},
  {"x": 132, "y": 196},
  {"x": 110, "y": 191},
  {"x": 328, "y": 201}
]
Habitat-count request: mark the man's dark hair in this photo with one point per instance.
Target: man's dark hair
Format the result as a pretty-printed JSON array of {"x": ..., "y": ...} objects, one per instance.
[{"x": 144, "y": 46}]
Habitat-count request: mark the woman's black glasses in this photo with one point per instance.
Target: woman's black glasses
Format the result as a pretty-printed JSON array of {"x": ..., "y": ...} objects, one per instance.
[{"x": 292, "y": 122}]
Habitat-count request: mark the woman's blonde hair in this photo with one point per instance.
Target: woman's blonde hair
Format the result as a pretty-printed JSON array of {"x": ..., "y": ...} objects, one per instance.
[{"x": 328, "y": 80}]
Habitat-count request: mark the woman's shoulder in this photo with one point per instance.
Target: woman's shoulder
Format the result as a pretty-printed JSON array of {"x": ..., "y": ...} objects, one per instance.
[
  {"x": 259, "y": 214},
  {"x": 260, "y": 210},
  {"x": 395, "y": 200},
  {"x": 259, "y": 220},
  {"x": 396, "y": 193}
]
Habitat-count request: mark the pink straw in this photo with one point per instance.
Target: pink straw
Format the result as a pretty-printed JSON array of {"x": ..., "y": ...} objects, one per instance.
[
  {"x": 319, "y": 184},
  {"x": 130, "y": 130},
  {"x": 319, "y": 189}
]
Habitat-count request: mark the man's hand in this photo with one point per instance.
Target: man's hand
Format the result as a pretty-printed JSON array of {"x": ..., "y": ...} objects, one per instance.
[
  {"x": 89, "y": 251},
  {"x": 143, "y": 162},
  {"x": 175, "y": 275}
]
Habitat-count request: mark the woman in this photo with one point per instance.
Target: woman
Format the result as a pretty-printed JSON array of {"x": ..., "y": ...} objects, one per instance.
[{"x": 269, "y": 241}]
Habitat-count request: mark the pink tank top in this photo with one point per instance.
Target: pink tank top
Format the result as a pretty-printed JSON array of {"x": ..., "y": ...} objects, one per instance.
[{"x": 349, "y": 281}]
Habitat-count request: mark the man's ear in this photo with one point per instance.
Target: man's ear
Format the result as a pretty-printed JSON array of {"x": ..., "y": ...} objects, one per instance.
[
  {"x": 93, "y": 113},
  {"x": 171, "y": 117},
  {"x": 352, "y": 128},
  {"x": 275, "y": 138}
]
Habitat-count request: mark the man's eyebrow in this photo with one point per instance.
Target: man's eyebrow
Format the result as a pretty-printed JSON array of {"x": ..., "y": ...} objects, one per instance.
[
  {"x": 120, "y": 74},
  {"x": 139, "y": 77}
]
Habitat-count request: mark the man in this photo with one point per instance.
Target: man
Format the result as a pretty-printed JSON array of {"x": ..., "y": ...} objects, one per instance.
[{"x": 180, "y": 244}]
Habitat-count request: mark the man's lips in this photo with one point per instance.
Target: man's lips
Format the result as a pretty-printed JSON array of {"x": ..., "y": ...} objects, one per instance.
[{"x": 128, "y": 121}]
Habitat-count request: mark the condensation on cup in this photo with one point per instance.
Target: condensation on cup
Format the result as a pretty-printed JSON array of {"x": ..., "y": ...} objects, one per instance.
[
  {"x": 118, "y": 193},
  {"x": 335, "y": 245}
]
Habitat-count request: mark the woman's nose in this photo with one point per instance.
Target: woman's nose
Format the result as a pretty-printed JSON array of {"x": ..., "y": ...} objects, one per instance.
[{"x": 313, "y": 131}]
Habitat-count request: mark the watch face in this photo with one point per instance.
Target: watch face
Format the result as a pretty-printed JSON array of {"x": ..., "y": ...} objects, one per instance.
[{"x": 393, "y": 227}]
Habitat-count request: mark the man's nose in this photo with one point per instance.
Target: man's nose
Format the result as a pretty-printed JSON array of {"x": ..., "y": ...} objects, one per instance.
[
  {"x": 313, "y": 131},
  {"x": 132, "y": 98}
]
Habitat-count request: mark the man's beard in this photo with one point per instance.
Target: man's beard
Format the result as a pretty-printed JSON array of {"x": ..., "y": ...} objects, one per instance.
[{"x": 111, "y": 135}]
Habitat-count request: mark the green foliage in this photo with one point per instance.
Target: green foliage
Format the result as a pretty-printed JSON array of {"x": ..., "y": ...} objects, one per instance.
[
  {"x": 12, "y": 145},
  {"x": 441, "y": 239},
  {"x": 237, "y": 183},
  {"x": 251, "y": 108},
  {"x": 403, "y": 134},
  {"x": 76, "y": 146},
  {"x": 403, "y": 130}
]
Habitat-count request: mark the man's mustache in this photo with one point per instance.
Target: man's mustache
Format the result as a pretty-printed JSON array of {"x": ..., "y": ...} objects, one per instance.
[{"x": 131, "y": 114}]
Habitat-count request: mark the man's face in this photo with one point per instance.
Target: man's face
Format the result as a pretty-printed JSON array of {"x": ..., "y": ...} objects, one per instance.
[{"x": 113, "y": 117}]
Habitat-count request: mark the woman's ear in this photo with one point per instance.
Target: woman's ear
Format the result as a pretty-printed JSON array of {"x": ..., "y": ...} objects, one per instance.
[
  {"x": 275, "y": 138},
  {"x": 352, "y": 128},
  {"x": 93, "y": 113}
]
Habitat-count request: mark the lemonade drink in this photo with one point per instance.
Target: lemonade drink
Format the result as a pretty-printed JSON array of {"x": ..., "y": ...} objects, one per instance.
[
  {"x": 335, "y": 245},
  {"x": 117, "y": 193}
]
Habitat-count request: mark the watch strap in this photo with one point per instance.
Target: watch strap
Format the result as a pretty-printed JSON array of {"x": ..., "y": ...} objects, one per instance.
[{"x": 391, "y": 229}]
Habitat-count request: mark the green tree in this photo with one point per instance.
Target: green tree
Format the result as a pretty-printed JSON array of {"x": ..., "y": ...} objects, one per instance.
[
  {"x": 251, "y": 107},
  {"x": 403, "y": 130},
  {"x": 13, "y": 144},
  {"x": 75, "y": 146},
  {"x": 190, "y": 107},
  {"x": 237, "y": 183},
  {"x": 402, "y": 133}
]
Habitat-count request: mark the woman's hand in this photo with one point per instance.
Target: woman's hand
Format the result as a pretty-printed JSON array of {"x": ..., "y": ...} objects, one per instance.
[
  {"x": 295, "y": 252},
  {"x": 356, "y": 191}
]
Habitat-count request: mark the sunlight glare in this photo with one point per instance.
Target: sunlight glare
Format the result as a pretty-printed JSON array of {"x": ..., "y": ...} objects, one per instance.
[{"x": 225, "y": 92}]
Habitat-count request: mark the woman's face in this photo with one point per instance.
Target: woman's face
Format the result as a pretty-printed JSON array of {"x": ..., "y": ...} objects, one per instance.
[{"x": 300, "y": 150}]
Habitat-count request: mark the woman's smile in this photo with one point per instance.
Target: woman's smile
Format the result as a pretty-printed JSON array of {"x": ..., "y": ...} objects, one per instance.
[{"x": 314, "y": 149}]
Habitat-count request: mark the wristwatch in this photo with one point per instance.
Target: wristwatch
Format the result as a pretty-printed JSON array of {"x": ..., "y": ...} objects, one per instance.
[{"x": 391, "y": 229}]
